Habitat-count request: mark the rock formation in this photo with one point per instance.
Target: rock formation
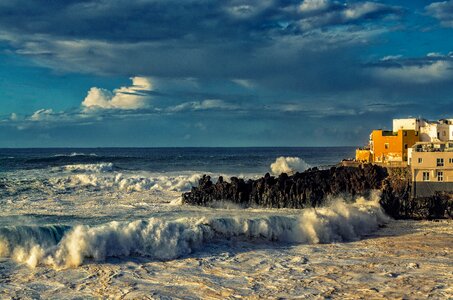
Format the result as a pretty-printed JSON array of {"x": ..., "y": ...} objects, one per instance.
[{"x": 312, "y": 188}]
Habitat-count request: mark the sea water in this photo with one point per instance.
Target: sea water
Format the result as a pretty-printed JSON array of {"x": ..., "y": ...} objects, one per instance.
[{"x": 109, "y": 223}]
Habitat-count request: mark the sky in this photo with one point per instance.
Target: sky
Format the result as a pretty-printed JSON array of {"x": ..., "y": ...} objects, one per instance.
[{"x": 167, "y": 73}]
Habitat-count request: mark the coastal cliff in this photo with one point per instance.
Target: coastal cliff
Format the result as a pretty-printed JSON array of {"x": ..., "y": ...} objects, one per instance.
[{"x": 313, "y": 187}]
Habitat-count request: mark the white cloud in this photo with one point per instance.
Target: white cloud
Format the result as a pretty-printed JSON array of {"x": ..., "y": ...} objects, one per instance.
[
  {"x": 244, "y": 83},
  {"x": 360, "y": 10},
  {"x": 443, "y": 11},
  {"x": 203, "y": 105},
  {"x": 391, "y": 57},
  {"x": 420, "y": 73},
  {"x": 132, "y": 97},
  {"x": 42, "y": 115},
  {"x": 13, "y": 117},
  {"x": 325, "y": 13},
  {"x": 314, "y": 5}
]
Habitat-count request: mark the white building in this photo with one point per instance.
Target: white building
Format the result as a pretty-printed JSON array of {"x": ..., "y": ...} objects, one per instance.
[
  {"x": 410, "y": 123},
  {"x": 430, "y": 131}
]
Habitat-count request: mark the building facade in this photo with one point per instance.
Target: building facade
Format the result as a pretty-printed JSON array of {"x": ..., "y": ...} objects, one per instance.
[
  {"x": 430, "y": 131},
  {"x": 432, "y": 168},
  {"x": 393, "y": 147},
  {"x": 363, "y": 155},
  {"x": 389, "y": 146}
]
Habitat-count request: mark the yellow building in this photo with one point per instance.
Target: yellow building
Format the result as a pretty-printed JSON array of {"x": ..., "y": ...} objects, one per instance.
[
  {"x": 389, "y": 146},
  {"x": 363, "y": 155},
  {"x": 432, "y": 168}
]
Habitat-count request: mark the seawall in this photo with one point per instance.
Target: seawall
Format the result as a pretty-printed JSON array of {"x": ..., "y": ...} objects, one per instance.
[{"x": 313, "y": 187}]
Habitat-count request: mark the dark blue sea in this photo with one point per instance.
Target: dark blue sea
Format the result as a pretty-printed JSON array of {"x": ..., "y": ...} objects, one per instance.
[{"x": 215, "y": 160}]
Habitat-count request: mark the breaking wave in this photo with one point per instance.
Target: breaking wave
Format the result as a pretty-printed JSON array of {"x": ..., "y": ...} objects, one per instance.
[
  {"x": 164, "y": 239},
  {"x": 288, "y": 165},
  {"x": 101, "y": 167},
  {"x": 127, "y": 183}
]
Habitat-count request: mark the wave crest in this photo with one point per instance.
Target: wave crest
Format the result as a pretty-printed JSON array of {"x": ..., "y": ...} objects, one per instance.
[
  {"x": 127, "y": 183},
  {"x": 99, "y": 168},
  {"x": 165, "y": 239}
]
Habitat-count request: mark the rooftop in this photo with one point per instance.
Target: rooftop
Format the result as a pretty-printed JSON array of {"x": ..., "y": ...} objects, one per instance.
[{"x": 433, "y": 147}]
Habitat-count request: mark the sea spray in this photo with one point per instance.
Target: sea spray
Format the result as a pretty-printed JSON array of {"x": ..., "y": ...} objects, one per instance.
[
  {"x": 164, "y": 239},
  {"x": 288, "y": 165}
]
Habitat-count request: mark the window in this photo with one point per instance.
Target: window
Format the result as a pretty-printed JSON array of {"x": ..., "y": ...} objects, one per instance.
[
  {"x": 405, "y": 146},
  {"x": 420, "y": 160},
  {"x": 405, "y": 133},
  {"x": 440, "y": 176},
  {"x": 450, "y": 160},
  {"x": 386, "y": 145},
  {"x": 440, "y": 162},
  {"x": 416, "y": 133},
  {"x": 425, "y": 176}
]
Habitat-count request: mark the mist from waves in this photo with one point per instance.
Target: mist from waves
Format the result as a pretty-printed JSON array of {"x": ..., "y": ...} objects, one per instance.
[{"x": 61, "y": 246}]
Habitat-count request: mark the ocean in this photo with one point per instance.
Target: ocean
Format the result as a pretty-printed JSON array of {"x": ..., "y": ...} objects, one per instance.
[{"x": 109, "y": 223}]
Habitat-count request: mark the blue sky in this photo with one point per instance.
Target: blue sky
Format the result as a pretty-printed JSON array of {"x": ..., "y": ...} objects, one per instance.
[{"x": 93, "y": 73}]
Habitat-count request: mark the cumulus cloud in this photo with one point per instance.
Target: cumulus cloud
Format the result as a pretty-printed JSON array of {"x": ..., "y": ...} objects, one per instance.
[
  {"x": 443, "y": 11},
  {"x": 132, "y": 97}
]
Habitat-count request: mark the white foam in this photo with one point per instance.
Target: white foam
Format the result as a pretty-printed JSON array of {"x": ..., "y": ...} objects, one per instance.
[
  {"x": 73, "y": 154},
  {"x": 101, "y": 167},
  {"x": 127, "y": 182},
  {"x": 288, "y": 165},
  {"x": 163, "y": 238}
]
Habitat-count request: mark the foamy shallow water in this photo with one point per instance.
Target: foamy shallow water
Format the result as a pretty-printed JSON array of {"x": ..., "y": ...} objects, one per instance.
[{"x": 404, "y": 260}]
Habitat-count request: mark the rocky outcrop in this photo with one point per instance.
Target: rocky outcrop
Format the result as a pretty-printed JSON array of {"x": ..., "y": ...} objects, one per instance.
[
  {"x": 313, "y": 187},
  {"x": 397, "y": 201},
  {"x": 307, "y": 189}
]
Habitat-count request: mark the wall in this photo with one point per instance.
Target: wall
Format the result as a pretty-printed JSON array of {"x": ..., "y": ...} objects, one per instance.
[
  {"x": 428, "y": 189},
  {"x": 428, "y": 132},
  {"x": 396, "y": 150},
  {"x": 442, "y": 132},
  {"x": 362, "y": 155},
  {"x": 429, "y": 164},
  {"x": 411, "y": 123}
]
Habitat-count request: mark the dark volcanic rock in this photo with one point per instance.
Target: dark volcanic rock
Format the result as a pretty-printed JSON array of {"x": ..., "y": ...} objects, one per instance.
[
  {"x": 307, "y": 189},
  {"x": 312, "y": 188}
]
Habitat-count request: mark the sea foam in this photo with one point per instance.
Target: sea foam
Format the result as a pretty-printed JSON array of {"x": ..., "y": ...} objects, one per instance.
[
  {"x": 127, "y": 183},
  {"x": 100, "y": 167},
  {"x": 165, "y": 239}
]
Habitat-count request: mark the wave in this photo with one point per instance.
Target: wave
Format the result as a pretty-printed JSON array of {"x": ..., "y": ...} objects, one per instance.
[
  {"x": 163, "y": 239},
  {"x": 127, "y": 183},
  {"x": 74, "y": 154},
  {"x": 101, "y": 167}
]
